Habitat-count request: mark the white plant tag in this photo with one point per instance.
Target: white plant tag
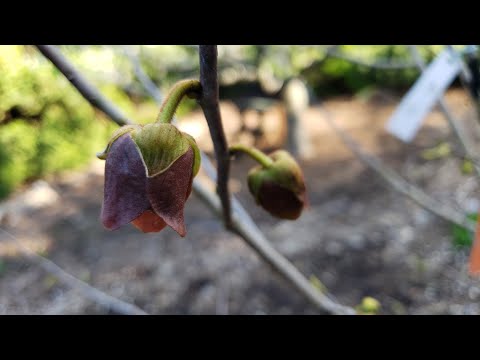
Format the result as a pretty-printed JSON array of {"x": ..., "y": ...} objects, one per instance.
[{"x": 420, "y": 99}]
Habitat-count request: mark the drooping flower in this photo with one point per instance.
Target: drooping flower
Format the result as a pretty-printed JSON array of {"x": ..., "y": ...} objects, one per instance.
[
  {"x": 279, "y": 186},
  {"x": 148, "y": 177}
]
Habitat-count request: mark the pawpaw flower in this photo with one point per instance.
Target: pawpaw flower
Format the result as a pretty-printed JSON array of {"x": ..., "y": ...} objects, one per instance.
[
  {"x": 149, "y": 171},
  {"x": 278, "y": 185}
]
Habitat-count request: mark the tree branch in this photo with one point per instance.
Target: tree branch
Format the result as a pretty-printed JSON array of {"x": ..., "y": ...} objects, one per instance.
[
  {"x": 246, "y": 228},
  {"x": 209, "y": 103},
  {"x": 144, "y": 79},
  {"x": 88, "y": 91}
]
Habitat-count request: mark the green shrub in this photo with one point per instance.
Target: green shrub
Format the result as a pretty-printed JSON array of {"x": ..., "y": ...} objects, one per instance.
[
  {"x": 18, "y": 143},
  {"x": 45, "y": 124},
  {"x": 462, "y": 237}
]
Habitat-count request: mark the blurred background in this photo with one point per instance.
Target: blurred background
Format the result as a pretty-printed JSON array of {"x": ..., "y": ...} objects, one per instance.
[{"x": 359, "y": 237}]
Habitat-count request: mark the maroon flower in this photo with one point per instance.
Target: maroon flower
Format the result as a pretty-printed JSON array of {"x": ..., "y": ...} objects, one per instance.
[
  {"x": 148, "y": 177},
  {"x": 279, "y": 187}
]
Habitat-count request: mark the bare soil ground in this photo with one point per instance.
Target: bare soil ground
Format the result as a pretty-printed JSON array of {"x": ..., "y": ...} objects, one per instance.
[{"x": 359, "y": 237}]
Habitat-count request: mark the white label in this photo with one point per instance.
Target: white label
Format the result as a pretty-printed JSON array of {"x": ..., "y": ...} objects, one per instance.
[{"x": 420, "y": 99}]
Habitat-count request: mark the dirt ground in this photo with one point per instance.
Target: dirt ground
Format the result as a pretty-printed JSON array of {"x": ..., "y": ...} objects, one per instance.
[{"x": 359, "y": 237}]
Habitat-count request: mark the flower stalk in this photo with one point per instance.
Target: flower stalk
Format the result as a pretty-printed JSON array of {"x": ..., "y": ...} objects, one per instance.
[
  {"x": 190, "y": 88},
  {"x": 257, "y": 155}
]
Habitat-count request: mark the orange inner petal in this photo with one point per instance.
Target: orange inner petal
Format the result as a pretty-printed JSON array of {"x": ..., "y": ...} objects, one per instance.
[{"x": 149, "y": 222}]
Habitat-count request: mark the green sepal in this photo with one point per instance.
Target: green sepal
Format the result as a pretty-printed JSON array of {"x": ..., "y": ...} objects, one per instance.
[
  {"x": 160, "y": 145},
  {"x": 196, "y": 153},
  {"x": 284, "y": 172}
]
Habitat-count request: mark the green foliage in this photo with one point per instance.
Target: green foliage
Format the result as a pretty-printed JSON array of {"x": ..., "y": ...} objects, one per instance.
[
  {"x": 462, "y": 237},
  {"x": 18, "y": 143},
  {"x": 45, "y": 125},
  {"x": 337, "y": 76}
]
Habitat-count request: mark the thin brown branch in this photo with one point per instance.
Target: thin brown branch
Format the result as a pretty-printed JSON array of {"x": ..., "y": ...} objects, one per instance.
[
  {"x": 87, "y": 90},
  {"x": 245, "y": 227},
  {"x": 209, "y": 103},
  {"x": 87, "y": 290}
]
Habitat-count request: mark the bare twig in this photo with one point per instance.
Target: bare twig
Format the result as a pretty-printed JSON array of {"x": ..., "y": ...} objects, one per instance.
[
  {"x": 86, "y": 89},
  {"x": 397, "y": 182},
  {"x": 244, "y": 226},
  {"x": 209, "y": 103},
  {"x": 452, "y": 121},
  {"x": 147, "y": 83},
  {"x": 88, "y": 291}
]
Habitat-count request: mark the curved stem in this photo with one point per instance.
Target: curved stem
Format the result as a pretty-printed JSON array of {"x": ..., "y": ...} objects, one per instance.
[
  {"x": 257, "y": 155},
  {"x": 171, "y": 102}
]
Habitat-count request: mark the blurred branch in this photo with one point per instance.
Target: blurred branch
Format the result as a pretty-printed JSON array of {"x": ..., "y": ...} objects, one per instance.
[
  {"x": 86, "y": 89},
  {"x": 452, "y": 121},
  {"x": 209, "y": 103},
  {"x": 244, "y": 226},
  {"x": 88, "y": 291},
  {"x": 397, "y": 182},
  {"x": 145, "y": 80}
]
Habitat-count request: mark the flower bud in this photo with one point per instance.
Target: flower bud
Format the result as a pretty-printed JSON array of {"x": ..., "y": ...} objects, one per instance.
[
  {"x": 148, "y": 177},
  {"x": 280, "y": 187}
]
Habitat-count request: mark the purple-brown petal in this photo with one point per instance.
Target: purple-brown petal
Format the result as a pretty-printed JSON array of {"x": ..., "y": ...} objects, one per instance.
[
  {"x": 125, "y": 196},
  {"x": 281, "y": 202},
  {"x": 169, "y": 190}
]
